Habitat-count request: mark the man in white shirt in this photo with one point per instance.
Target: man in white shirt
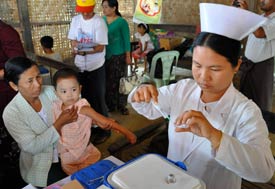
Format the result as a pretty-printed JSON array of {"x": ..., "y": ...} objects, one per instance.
[
  {"x": 258, "y": 63},
  {"x": 88, "y": 35}
]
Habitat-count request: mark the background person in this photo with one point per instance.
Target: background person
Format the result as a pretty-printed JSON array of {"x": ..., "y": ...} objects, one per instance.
[
  {"x": 117, "y": 55},
  {"x": 47, "y": 45},
  {"x": 29, "y": 120},
  {"x": 257, "y": 69},
  {"x": 214, "y": 129},
  {"x": 145, "y": 44},
  {"x": 10, "y": 46},
  {"x": 88, "y": 35}
]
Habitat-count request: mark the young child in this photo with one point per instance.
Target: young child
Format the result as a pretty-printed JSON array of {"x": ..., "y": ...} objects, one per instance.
[
  {"x": 145, "y": 44},
  {"x": 74, "y": 147},
  {"x": 47, "y": 45}
]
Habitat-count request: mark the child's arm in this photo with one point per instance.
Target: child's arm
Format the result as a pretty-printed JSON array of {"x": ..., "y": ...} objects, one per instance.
[
  {"x": 128, "y": 134},
  {"x": 145, "y": 46},
  {"x": 107, "y": 123},
  {"x": 102, "y": 121},
  {"x": 139, "y": 45}
]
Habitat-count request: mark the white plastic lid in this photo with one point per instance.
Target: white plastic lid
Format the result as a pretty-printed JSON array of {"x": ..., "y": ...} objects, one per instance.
[{"x": 154, "y": 172}]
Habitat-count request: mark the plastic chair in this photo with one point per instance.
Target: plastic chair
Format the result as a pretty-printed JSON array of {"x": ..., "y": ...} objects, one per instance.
[{"x": 167, "y": 59}]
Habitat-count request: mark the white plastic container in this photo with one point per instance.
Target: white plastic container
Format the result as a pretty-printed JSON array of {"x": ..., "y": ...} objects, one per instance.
[{"x": 152, "y": 171}]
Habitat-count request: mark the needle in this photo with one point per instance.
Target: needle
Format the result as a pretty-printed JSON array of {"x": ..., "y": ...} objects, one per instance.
[{"x": 165, "y": 115}]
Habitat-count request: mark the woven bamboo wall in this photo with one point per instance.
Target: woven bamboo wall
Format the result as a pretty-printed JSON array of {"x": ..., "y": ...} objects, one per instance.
[
  {"x": 187, "y": 12},
  {"x": 9, "y": 10},
  {"x": 9, "y": 13},
  {"x": 53, "y": 17}
]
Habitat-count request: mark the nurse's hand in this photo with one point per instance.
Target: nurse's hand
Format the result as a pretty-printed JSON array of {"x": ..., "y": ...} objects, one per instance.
[
  {"x": 145, "y": 92},
  {"x": 66, "y": 116},
  {"x": 195, "y": 122}
]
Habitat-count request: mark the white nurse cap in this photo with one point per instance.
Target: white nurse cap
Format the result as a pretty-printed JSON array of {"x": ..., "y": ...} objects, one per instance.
[{"x": 229, "y": 21}]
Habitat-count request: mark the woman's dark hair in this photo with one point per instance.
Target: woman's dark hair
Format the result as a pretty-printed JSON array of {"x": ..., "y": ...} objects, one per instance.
[
  {"x": 144, "y": 26},
  {"x": 65, "y": 73},
  {"x": 46, "y": 42},
  {"x": 112, "y": 4},
  {"x": 227, "y": 47},
  {"x": 14, "y": 67}
]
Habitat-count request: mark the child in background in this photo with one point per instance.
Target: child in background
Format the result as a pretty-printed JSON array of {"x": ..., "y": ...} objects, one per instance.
[
  {"x": 74, "y": 147},
  {"x": 145, "y": 44},
  {"x": 47, "y": 45}
]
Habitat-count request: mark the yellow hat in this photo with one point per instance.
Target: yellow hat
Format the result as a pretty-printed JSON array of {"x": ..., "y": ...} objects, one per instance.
[{"x": 85, "y": 5}]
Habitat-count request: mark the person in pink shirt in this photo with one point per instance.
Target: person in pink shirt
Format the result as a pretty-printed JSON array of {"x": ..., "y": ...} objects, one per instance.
[{"x": 74, "y": 146}]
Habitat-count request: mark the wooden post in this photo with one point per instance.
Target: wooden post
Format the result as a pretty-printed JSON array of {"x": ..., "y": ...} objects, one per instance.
[{"x": 23, "y": 12}]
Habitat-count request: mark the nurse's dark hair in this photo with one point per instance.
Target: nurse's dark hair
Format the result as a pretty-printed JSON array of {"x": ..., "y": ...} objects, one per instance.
[
  {"x": 224, "y": 46},
  {"x": 112, "y": 4},
  {"x": 15, "y": 66},
  {"x": 64, "y": 73}
]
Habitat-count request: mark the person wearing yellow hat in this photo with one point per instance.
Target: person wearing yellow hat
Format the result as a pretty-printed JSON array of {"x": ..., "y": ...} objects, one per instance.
[
  {"x": 88, "y": 36},
  {"x": 257, "y": 69},
  {"x": 214, "y": 129}
]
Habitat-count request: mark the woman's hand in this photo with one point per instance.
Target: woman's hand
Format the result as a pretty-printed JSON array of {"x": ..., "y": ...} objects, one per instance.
[
  {"x": 128, "y": 60},
  {"x": 195, "y": 122},
  {"x": 145, "y": 92},
  {"x": 66, "y": 116}
]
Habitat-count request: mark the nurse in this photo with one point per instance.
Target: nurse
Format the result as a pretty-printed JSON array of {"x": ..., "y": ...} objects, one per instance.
[{"x": 215, "y": 130}]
